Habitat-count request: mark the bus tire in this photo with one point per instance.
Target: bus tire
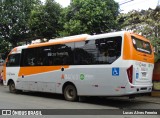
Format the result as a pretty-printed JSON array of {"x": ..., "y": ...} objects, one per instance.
[
  {"x": 12, "y": 88},
  {"x": 70, "y": 93}
]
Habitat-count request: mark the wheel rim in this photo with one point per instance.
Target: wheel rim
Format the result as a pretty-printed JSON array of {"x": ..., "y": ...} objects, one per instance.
[
  {"x": 12, "y": 87},
  {"x": 70, "y": 93}
]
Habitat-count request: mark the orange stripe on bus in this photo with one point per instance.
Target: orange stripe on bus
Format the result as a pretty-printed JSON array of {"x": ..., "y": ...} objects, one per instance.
[
  {"x": 4, "y": 72},
  {"x": 58, "y": 41},
  {"x": 38, "y": 69},
  {"x": 130, "y": 53}
]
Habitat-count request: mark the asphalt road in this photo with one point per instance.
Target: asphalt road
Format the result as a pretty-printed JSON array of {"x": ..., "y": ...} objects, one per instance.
[{"x": 33, "y": 100}]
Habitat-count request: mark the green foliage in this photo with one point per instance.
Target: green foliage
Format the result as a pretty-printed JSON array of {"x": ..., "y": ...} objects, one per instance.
[
  {"x": 22, "y": 20},
  {"x": 44, "y": 20},
  {"x": 157, "y": 57},
  {"x": 90, "y": 16},
  {"x": 4, "y": 48},
  {"x": 14, "y": 15}
]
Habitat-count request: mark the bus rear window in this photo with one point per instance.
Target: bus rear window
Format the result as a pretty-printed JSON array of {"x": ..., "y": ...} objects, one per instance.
[{"x": 141, "y": 46}]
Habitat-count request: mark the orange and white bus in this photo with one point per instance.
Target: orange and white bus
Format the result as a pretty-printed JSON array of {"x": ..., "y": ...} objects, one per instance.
[{"x": 111, "y": 64}]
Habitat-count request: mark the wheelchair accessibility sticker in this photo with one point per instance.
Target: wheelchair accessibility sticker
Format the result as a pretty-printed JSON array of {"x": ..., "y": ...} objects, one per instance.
[{"x": 115, "y": 71}]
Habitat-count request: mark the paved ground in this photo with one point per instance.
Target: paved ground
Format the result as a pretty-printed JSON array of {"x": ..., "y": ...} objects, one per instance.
[
  {"x": 29, "y": 100},
  {"x": 146, "y": 98}
]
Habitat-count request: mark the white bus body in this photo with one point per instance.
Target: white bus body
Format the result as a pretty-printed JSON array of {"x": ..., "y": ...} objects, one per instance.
[{"x": 127, "y": 71}]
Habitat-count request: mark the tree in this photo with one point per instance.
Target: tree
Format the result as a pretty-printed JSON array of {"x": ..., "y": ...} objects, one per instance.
[
  {"x": 14, "y": 15},
  {"x": 4, "y": 46},
  {"x": 44, "y": 20},
  {"x": 90, "y": 16}
]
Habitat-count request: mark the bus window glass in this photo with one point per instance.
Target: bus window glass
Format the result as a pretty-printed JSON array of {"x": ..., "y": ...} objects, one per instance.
[
  {"x": 28, "y": 57},
  {"x": 13, "y": 60},
  {"x": 99, "y": 51},
  {"x": 141, "y": 45},
  {"x": 85, "y": 53},
  {"x": 63, "y": 54},
  {"x": 109, "y": 49}
]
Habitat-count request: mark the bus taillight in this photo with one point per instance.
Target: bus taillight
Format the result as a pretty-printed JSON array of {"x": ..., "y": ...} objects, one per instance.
[{"x": 130, "y": 73}]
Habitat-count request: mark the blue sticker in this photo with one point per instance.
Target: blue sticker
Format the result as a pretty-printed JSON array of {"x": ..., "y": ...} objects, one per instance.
[
  {"x": 115, "y": 71},
  {"x": 137, "y": 75}
]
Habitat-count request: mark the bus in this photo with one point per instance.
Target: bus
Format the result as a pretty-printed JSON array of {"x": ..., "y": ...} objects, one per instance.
[{"x": 110, "y": 64}]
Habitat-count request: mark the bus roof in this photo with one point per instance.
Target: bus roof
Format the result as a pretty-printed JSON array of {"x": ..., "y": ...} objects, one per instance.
[
  {"x": 75, "y": 38},
  {"x": 62, "y": 40},
  {"x": 111, "y": 34},
  {"x": 139, "y": 36}
]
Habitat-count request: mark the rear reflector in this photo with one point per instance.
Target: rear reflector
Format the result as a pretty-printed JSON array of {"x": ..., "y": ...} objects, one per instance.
[{"x": 130, "y": 73}]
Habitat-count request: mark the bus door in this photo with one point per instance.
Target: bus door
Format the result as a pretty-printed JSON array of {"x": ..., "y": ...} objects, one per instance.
[{"x": 12, "y": 67}]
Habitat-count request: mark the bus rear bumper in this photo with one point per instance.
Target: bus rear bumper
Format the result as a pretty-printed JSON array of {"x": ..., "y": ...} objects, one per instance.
[{"x": 139, "y": 89}]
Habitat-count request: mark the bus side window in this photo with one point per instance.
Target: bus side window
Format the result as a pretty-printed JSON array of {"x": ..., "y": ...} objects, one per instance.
[
  {"x": 86, "y": 53},
  {"x": 111, "y": 56},
  {"x": 28, "y": 57},
  {"x": 64, "y": 54},
  {"x": 109, "y": 49}
]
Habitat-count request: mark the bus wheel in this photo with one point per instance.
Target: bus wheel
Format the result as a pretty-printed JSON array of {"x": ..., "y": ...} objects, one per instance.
[
  {"x": 12, "y": 88},
  {"x": 70, "y": 93}
]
